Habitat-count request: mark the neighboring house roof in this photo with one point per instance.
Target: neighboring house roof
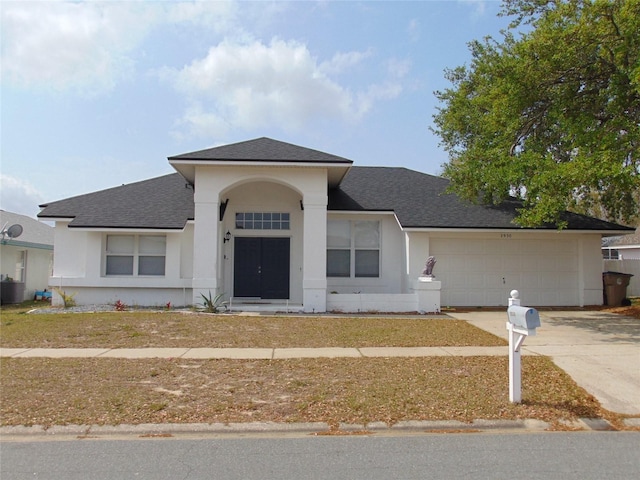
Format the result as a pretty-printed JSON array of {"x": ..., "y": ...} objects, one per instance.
[
  {"x": 262, "y": 150},
  {"x": 418, "y": 200},
  {"x": 626, "y": 241},
  {"x": 34, "y": 233}
]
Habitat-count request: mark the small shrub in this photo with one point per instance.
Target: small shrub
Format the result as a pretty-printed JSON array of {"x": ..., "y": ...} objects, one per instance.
[
  {"x": 213, "y": 305},
  {"x": 119, "y": 306},
  {"x": 67, "y": 300}
]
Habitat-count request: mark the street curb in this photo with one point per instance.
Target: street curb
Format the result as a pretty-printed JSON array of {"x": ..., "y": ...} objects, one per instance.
[
  {"x": 304, "y": 428},
  {"x": 309, "y": 428}
]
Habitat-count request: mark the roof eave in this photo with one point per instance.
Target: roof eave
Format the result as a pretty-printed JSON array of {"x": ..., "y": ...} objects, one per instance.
[{"x": 336, "y": 170}]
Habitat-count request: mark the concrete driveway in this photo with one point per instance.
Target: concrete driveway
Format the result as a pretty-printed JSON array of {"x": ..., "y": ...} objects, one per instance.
[{"x": 601, "y": 351}]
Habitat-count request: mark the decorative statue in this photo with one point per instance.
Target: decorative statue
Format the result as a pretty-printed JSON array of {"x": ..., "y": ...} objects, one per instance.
[{"x": 428, "y": 267}]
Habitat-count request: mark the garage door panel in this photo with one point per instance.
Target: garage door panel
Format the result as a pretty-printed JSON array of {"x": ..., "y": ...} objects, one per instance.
[{"x": 484, "y": 271}]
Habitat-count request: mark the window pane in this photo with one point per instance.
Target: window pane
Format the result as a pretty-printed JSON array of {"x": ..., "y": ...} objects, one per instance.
[
  {"x": 152, "y": 245},
  {"x": 150, "y": 265},
  {"x": 338, "y": 233},
  {"x": 367, "y": 234},
  {"x": 338, "y": 263},
  {"x": 120, "y": 243},
  {"x": 120, "y": 265},
  {"x": 367, "y": 263}
]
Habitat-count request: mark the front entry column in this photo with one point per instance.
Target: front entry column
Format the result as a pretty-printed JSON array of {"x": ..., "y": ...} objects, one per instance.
[
  {"x": 314, "y": 282},
  {"x": 205, "y": 251}
]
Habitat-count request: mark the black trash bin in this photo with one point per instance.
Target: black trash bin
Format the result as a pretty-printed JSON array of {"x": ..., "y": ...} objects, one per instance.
[{"x": 615, "y": 287}]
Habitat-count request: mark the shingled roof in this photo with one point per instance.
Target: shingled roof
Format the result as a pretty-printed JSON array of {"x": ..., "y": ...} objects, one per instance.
[
  {"x": 262, "y": 150},
  {"x": 158, "y": 203},
  {"x": 418, "y": 200}
]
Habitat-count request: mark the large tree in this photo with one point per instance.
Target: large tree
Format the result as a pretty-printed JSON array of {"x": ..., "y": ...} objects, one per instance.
[{"x": 550, "y": 113}]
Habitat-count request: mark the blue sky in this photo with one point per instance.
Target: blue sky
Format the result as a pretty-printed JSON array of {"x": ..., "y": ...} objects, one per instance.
[{"x": 97, "y": 94}]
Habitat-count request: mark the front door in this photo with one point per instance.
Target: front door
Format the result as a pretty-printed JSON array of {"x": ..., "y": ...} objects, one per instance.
[{"x": 261, "y": 267}]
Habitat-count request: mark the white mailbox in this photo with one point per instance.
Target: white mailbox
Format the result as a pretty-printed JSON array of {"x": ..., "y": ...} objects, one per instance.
[
  {"x": 522, "y": 322},
  {"x": 523, "y": 317}
]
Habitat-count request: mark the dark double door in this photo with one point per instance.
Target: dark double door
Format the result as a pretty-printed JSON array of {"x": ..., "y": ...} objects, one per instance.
[{"x": 261, "y": 267}]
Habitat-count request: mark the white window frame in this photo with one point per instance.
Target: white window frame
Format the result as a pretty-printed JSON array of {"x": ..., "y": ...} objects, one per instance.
[
  {"x": 136, "y": 253},
  {"x": 353, "y": 245},
  {"x": 21, "y": 267}
]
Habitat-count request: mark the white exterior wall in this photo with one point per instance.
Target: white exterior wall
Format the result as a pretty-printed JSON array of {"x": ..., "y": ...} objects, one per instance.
[
  {"x": 632, "y": 253},
  {"x": 79, "y": 270},
  {"x": 590, "y": 270}
]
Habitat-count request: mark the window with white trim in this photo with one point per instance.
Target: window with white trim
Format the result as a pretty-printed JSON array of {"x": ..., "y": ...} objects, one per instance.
[
  {"x": 353, "y": 248},
  {"x": 263, "y": 221},
  {"x": 136, "y": 255}
]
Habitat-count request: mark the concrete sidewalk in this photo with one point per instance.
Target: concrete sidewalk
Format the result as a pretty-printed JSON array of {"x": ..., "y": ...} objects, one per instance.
[
  {"x": 599, "y": 350},
  {"x": 252, "y": 353}
]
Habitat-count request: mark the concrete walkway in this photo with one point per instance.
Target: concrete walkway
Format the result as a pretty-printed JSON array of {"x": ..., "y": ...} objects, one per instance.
[
  {"x": 252, "y": 353},
  {"x": 599, "y": 350}
]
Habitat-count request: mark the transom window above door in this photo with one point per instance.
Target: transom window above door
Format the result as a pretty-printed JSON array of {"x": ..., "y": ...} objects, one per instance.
[{"x": 263, "y": 221}]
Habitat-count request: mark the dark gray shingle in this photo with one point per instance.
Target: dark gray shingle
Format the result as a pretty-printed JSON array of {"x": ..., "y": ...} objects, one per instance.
[
  {"x": 262, "y": 150},
  {"x": 421, "y": 201},
  {"x": 163, "y": 202}
]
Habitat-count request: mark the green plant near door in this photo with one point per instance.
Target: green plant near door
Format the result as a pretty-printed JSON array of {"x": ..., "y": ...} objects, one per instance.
[{"x": 215, "y": 304}]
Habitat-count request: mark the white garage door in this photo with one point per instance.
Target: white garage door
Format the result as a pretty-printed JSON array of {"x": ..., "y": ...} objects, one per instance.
[{"x": 482, "y": 271}]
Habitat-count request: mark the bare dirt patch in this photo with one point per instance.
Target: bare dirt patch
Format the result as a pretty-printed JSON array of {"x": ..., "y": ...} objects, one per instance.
[{"x": 41, "y": 391}]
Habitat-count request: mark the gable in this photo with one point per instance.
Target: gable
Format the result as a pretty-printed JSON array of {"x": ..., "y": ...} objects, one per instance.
[{"x": 263, "y": 150}]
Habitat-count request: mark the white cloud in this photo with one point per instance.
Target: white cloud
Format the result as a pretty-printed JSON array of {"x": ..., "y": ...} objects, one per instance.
[
  {"x": 280, "y": 84},
  {"x": 19, "y": 196},
  {"x": 90, "y": 46},
  {"x": 56, "y": 45}
]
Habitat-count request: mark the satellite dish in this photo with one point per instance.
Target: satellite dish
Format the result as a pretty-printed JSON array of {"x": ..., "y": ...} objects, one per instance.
[{"x": 13, "y": 231}]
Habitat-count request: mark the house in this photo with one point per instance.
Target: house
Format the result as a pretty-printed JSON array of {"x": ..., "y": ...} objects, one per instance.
[
  {"x": 626, "y": 247},
  {"x": 266, "y": 222},
  {"x": 25, "y": 260}
]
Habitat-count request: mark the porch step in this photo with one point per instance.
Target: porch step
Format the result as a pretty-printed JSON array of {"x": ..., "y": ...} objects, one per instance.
[{"x": 265, "y": 307}]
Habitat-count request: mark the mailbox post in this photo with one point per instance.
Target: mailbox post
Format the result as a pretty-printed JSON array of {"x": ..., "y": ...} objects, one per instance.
[{"x": 522, "y": 322}]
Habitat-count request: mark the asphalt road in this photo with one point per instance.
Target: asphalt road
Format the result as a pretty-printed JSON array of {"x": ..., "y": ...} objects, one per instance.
[{"x": 566, "y": 456}]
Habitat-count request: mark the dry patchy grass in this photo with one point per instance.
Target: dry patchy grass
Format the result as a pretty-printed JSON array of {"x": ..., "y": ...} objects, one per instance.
[
  {"x": 112, "y": 391},
  {"x": 173, "y": 329}
]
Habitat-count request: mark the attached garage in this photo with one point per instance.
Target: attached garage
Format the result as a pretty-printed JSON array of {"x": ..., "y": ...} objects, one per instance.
[{"x": 481, "y": 271}]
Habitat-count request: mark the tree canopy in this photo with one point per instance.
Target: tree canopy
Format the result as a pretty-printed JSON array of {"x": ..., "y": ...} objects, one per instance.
[{"x": 550, "y": 113}]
